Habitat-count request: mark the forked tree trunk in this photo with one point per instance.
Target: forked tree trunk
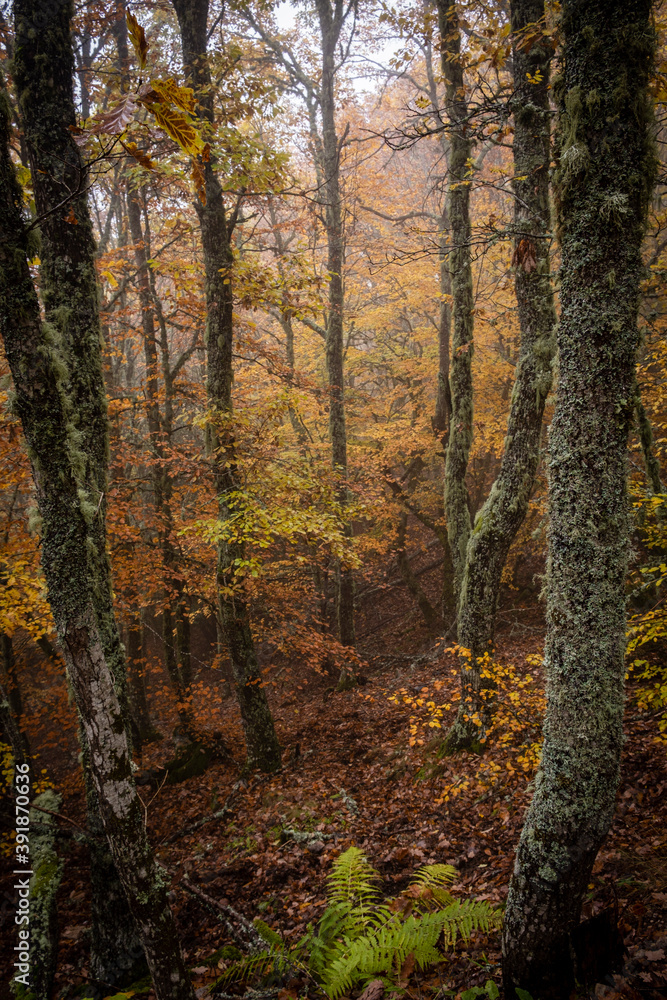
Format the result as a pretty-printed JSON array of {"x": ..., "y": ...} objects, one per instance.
[
  {"x": 604, "y": 179},
  {"x": 498, "y": 521},
  {"x": 61, "y": 405},
  {"x": 216, "y": 234}
]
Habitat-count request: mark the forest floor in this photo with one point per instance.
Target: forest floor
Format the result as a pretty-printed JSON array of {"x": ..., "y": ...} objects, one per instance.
[{"x": 351, "y": 777}]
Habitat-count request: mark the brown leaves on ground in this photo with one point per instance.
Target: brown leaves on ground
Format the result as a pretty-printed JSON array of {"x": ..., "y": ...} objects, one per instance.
[{"x": 357, "y": 781}]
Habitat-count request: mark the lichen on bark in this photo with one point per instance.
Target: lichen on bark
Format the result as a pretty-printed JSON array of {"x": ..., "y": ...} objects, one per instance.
[
  {"x": 459, "y": 181},
  {"x": 73, "y": 544},
  {"x": 604, "y": 177},
  {"x": 499, "y": 519}
]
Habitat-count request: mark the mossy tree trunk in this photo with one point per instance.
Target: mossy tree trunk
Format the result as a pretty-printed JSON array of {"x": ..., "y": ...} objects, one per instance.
[
  {"x": 603, "y": 184},
  {"x": 217, "y": 229},
  {"x": 47, "y": 874},
  {"x": 501, "y": 516},
  {"x": 69, "y": 292},
  {"x": 457, "y": 499},
  {"x": 61, "y": 405}
]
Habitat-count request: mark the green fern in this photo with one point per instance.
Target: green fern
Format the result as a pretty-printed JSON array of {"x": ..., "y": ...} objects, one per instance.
[{"x": 361, "y": 938}]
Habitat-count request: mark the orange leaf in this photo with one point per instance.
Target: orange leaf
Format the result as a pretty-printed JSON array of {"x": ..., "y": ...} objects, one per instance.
[
  {"x": 197, "y": 175},
  {"x": 139, "y": 155},
  {"x": 137, "y": 37}
]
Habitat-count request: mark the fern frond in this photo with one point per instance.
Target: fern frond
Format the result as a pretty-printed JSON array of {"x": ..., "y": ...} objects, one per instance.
[
  {"x": 435, "y": 876},
  {"x": 353, "y": 880},
  {"x": 464, "y": 917},
  {"x": 251, "y": 965}
]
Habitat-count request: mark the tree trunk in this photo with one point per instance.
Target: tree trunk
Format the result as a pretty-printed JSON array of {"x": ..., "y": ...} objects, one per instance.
[
  {"x": 604, "y": 179},
  {"x": 497, "y": 523},
  {"x": 70, "y": 295},
  {"x": 116, "y": 955},
  {"x": 457, "y": 499},
  {"x": 47, "y": 874},
  {"x": 136, "y": 670},
  {"x": 63, "y": 414},
  {"x": 11, "y": 703},
  {"x": 331, "y": 18},
  {"x": 443, "y": 399},
  {"x": 262, "y": 744},
  {"x": 430, "y": 615}
]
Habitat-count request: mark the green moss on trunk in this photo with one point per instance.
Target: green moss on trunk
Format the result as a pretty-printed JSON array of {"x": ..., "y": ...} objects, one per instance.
[
  {"x": 606, "y": 167},
  {"x": 73, "y": 556},
  {"x": 501, "y": 516}
]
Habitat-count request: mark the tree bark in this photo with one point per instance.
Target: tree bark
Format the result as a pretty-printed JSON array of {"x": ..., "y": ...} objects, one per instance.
[
  {"x": 47, "y": 874},
  {"x": 70, "y": 296},
  {"x": 457, "y": 499},
  {"x": 331, "y": 17},
  {"x": 62, "y": 411},
  {"x": 604, "y": 179},
  {"x": 136, "y": 675},
  {"x": 217, "y": 229},
  {"x": 430, "y": 615},
  {"x": 11, "y": 703},
  {"x": 501, "y": 516}
]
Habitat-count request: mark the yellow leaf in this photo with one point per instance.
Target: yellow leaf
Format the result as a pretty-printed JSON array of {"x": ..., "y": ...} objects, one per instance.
[
  {"x": 170, "y": 92},
  {"x": 110, "y": 278},
  {"x": 179, "y": 127},
  {"x": 139, "y": 155}
]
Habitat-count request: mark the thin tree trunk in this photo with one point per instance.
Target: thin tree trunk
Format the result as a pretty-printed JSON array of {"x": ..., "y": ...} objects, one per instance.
[
  {"x": 136, "y": 675},
  {"x": 159, "y": 428},
  {"x": 457, "y": 499},
  {"x": 604, "y": 179},
  {"x": 262, "y": 744},
  {"x": 443, "y": 398},
  {"x": 62, "y": 408},
  {"x": 11, "y": 703},
  {"x": 331, "y": 17},
  {"x": 497, "y": 523},
  {"x": 651, "y": 462},
  {"x": 431, "y": 616}
]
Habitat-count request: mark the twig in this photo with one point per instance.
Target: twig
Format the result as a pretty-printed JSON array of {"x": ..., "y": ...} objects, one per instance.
[
  {"x": 220, "y": 814},
  {"x": 50, "y": 812},
  {"x": 150, "y": 801},
  {"x": 238, "y": 926}
]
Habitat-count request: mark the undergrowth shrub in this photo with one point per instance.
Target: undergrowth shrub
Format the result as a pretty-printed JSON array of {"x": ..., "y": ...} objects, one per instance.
[
  {"x": 514, "y": 733},
  {"x": 362, "y": 937}
]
